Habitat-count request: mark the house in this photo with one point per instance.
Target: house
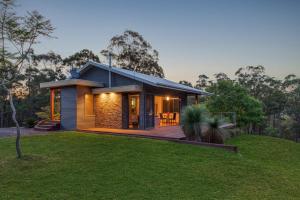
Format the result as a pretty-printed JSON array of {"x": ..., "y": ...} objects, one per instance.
[{"x": 101, "y": 96}]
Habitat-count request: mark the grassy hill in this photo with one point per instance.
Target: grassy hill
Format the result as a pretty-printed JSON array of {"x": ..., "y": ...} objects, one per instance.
[{"x": 86, "y": 166}]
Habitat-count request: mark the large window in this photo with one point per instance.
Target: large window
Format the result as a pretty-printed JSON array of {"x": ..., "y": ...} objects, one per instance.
[
  {"x": 171, "y": 105},
  {"x": 88, "y": 104}
]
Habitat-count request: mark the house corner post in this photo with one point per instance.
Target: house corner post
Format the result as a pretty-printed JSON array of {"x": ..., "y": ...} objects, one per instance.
[
  {"x": 142, "y": 111},
  {"x": 196, "y": 99},
  {"x": 52, "y": 94}
]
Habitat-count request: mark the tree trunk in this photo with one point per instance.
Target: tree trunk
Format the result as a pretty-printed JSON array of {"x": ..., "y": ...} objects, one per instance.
[
  {"x": 2, "y": 118},
  {"x": 197, "y": 129},
  {"x": 18, "y": 148}
]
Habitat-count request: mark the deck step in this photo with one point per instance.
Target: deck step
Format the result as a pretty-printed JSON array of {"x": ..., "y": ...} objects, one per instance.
[{"x": 47, "y": 126}]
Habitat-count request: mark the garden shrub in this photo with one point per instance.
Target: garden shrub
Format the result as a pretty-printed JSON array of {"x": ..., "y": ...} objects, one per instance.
[
  {"x": 271, "y": 131},
  {"x": 192, "y": 121},
  {"x": 30, "y": 123}
]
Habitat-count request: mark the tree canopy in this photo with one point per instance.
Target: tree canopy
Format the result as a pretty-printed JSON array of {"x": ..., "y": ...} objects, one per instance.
[
  {"x": 18, "y": 35},
  {"x": 187, "y": 83},
  {"x": 231, "y": 97},
  {"x": 79, "y": 59},
  {"x": 131, "y": 51}
]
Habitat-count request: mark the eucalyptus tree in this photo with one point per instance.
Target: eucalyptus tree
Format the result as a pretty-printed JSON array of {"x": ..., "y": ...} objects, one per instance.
[
  {"x": 41, "y": 68},
  {"x": 221, "y": 77},
  {"x": 291, "y": 85},
  {"x": 253, "y": 78},
  {"x": 50, "y": 61},
  {"x": 131, "y": 51},
  {"x": 78, "y": 59},
  {"x": 202, "y": 81},
  {"x": 187, "y": 83},
  {"x": 264, "y": 88},
  {"x": 18, "y": 34}
]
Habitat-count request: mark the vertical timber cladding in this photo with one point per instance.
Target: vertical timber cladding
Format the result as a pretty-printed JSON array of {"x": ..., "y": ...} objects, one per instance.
[
  {"x": 68, "y": 108},
  {"x": 108, "y": 110},
  {"x": 84, "y": 118}
]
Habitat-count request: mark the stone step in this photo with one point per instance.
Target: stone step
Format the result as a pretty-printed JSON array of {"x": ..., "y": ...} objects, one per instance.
[
  {"x": 38, "y": 128},
  {"x": 47, "y": 126},
  {"x": 49, "y": 123}
]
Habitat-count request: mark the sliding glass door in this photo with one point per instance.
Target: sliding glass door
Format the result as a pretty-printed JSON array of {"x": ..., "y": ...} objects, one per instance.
[{"x": 134, "y": 110}]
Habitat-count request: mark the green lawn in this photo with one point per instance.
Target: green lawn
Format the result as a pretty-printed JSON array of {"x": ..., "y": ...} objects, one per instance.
[{"x": 87, "y": 166}]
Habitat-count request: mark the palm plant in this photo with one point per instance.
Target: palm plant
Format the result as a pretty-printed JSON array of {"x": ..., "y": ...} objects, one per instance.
[
  {"x": 214, "y": 135},
  {"x": 192, "y": 120}
]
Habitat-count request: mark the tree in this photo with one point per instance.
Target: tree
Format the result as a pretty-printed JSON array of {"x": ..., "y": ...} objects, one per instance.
[
  {"x": 131, "y": 51},
  {"x": 292, "y": 84},
  {"x": 202, "y": 81},
  {"x": 274, "y": 99},
  {"x": 221, "y": 77},
  {"x": 79, "y": 59},
  {"x": 252, "y": 78},
  {"x": 51, "y": 64},
  {"x": 268, "y": 90},
  {"x": 41, "y": 68},
  {"x": 231, "y": 97},
  {"x": 18, "y": 35},
  {"x": 183, "y": 82}
]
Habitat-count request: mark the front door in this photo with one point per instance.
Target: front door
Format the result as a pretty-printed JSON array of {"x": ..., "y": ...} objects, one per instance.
[{"x": 134, "y": 110}]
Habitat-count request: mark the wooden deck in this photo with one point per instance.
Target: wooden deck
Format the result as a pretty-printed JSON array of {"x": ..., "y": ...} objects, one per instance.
[{"x": 173, "y": 132}]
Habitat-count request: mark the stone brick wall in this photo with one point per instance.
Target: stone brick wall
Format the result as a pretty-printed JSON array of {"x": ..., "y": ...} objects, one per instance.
[{"x": 108, "y": 110}]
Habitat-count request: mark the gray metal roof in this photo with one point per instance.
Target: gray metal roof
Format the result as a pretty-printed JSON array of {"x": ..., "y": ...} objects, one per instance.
[{"x": 148, "y": 79}]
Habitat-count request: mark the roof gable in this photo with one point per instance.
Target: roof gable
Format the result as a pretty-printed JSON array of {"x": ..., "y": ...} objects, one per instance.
[{"x": 148, "y": 79}]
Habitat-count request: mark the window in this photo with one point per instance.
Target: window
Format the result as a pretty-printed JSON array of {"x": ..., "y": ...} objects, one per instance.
[
  {"x": 171, "y": 105},
  {"x": 88, "y": 104}
]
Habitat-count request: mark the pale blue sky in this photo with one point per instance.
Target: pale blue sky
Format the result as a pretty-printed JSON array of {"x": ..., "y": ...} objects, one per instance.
[{"x": 192, "y": 37}]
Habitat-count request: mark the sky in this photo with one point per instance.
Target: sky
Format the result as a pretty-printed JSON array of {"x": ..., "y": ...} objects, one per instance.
[{"x": 192, "y": 37}]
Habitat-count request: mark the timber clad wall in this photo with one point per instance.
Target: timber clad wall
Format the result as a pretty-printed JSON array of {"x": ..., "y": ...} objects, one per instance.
[
  {"x": 68, "y": 108},
  {"x": 84, "y": 120},
  {"x": 100, "y": 75},
  {"x": 108, "y": 110}
]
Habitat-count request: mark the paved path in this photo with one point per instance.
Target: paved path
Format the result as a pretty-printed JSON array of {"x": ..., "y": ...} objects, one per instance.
[{"x": 6, "y": 132}]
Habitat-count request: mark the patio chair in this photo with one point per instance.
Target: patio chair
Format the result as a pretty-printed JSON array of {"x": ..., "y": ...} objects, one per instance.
[
  {"x": 173, "y": 119},
  {"x": 135, "y": 121},
  {"x": 162, "y": 118}
]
